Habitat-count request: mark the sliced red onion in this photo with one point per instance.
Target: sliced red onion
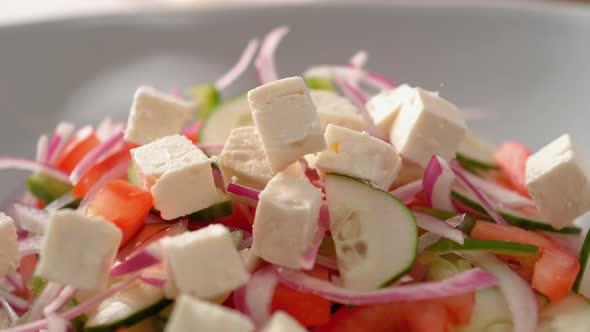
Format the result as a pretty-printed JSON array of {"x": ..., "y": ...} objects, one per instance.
[
  {"x": 438, "y": 227},
  {"x": 63, "y": 298},
  {"x": 480, "y": 196},
  {"x": 137, "y": 262},
  {"x": 426, "y": 240},
  {"x": 519, "y": 295},
  {"x": 55, "y": 323},
  {"x": 107, "y": 129},
  {"x": 12, "y": 316},
  {"x": 31, "y": 219},
  {"x": 41, "y": 155},
  {"x": 59, "y": 140},
  {"x": 307, "y": 259},
  {"x": 117, "y": 172},
  {"x": 503, "y": 196},
  {"x": 30, "y": 246},
  {"x": 303, "y": 167},
  {"x": 327, "y": 262},
  {"x": 325, "y": 216},
  {"x": 156, "y": 282},
  {"x": 462, "y": 208},
  {"x": 258, "y": 294},
  {"x": 407, "y": 192},
  {"x": 192, "y": 129},
  {"x": 461, "y": 283},
  {"x": 359, "y": 59},
  {"x": 50, "y": 292},
  {"x": 243, "y": 191},
  {"x": 353, "y": 74},
  {"x": 265, "y": 61},
  {"x": 15, "y": 280},
  {"x": 379, "y": 81},
  {"x": 134, "y": 247},
  {"x": 239, "y": 68},
  {"x": 359, "y": 98},
  {"x": 59, "y": 203},
  {"x": 438, "y": 181},
  {"x": 93, "y": 156},
  {"x": 33, "y": 166},
  {"x": 15, "y": 301}
]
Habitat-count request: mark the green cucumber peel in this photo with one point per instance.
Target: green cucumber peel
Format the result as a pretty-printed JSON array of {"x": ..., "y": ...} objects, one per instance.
[
  {"x": 491, "y": 246},
  {"x": 46, "y": 188},
  {"x": 320, "y": 83},
  {"x": 206, "y": 98}
]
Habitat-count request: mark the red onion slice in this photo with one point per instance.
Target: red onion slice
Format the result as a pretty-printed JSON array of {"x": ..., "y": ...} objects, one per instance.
[
  {"x": 64, "y": 296},
  {"x": 243, "y": 191},
  {"x": 49, "y": 293},
  {"x": 30, "y": 246},
  {"x": 16, "y": 302},
  {"x": 107, "y": 129},
  {"x": 503, "y": 196},
  {"x": 41, "y": 154},
  {"x": 407, "y": 192},
  {"x": 31, "y": 219},
  {"x": 93, "y": 156},
  {"x": 33, "y": 166},
  {"x": 59, "y": 203},
  {"x": 192, "y": 129},
  {"x": 426, "y": 240},
  {"x": 438, "y": 227},
  {"x": 117, "y": 172},
  {"x": 438, "y": 181},
  {"x": 379, "y": 81},
  {"x": 56, "y": 323},
  {"x": 238, "y": 69},
  {"x": 137, "y": 262},
  {"x": 265, "y": 61},
  {"x": 12, "y": 316},
  {"x": 58, "y": 141},
  {"x": 359, "y": 98},
  {"x": 258, "y": 294},
  {"x": 461, "y": 283},
  {"x": 359, "y": 59},
  {"x": 156, "y": 282}
]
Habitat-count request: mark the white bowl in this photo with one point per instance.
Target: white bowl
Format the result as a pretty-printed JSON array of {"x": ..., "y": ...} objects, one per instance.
[{"x": 530, "y": 63}]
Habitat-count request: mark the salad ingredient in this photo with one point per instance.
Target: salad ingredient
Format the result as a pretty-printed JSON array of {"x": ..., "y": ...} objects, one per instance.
[
  {"x": 47, "y": 188},
  {"x": 513, "y": 249},
  {"x": 281, "y": 322},
  {"x": 559, "y": 182},
  {"x": 427, "y": 125},
  {"x": 204, "y": 263},
  {"x": 437, "y": 183},
  {"x": 320, "y": 83},
  {"x": 491, "y": 312},
  {"x": 287, "y": 121},
  {"x": 286, "y": 217},
  {"x": 79, "y": 145},
  {"x": 386, "y": 105},
  {"x": 58, "y": 140},
  {"x": 438, "y": 227},
  {"x": 61, "y": 258},
  {"x": 93, "y": 155},
  {"x": 123, "y": 204},
  {"x": 512, "y": 157},
  {"x": 240, "y": 67},
  {"x": 228, "y": 115},
  {"x": 9, "y": 257},
  {"x": 251, "y": 261},
  {"x": 206, "y": 98},
  {"x": 476, "y": 154},
  {"x": 32, "y": 166},
  {"x": 31, "y": 219},
  {"x": 364, "y": 222},
  {"x": 155, "y": 114},
  {"x": 222, "y": 208},
  {"x": 243, "y": 157},
  {"x": 358, "y": 155},
  {"x": 568, "y": 315},
  {"x": 191, "y": 314},
  {"x": 265, "y": 61},
  {"x": 98, "y": 170},
  {"x": 582, "y": 284},
  {"x": 178, "y": 173},
  {"x": 337, "y": 110},
  {"x": 499, "y": 194}
]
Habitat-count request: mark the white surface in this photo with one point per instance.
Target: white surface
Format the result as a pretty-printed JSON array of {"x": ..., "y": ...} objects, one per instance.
[
  {"x": 385, "y": 106},
  {"x": 282, "y": 322},
  {"x": 9, "y": 256},
  {"x": 335, "y": 109}
]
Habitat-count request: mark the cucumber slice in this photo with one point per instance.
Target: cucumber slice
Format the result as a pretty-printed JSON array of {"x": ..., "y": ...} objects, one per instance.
[
  {"x": 206, "y": 98},
  {"x": 582, "y": 284},
  {"x": 491, "y": 246},
  {"x": 512, "y": 217},
  {"x": 568, "y": 315},
  {"x": 490, "y": 313},
  {"x": 223, "y": 208},
  {"x": 466, "y": 225},
  {"x": 130, "y": 306},
  {"x": 476, "y": 154},
  {"x": 227, "y": 116},
  {"x": 46, "y": 188},
  {"x": 320, "y": 83},
  {"x": 375, "y": 235},
  {"x": 132, "y": 175}
]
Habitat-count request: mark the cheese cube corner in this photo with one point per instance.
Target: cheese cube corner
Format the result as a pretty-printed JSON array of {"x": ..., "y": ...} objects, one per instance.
[
  {"x": 9, "y": 256},
  {"x": 286, "y": 218},
  {"x": 384, "y": 106},
  {"x": 287, "y": 121},
  {"x": 428, "y": 125},
  {"x": 282, "y": 322},
  {"x": 204, "y": 263},
  {"x": 191, "y": 314},
  {"x": 337, "y": 110},
  {"x": 558, "y": 180},
  {"x": 78, "y": 250},
  {"x": 155, "y": 114}
]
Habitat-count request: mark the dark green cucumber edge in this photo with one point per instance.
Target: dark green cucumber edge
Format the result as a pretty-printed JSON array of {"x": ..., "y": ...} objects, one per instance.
[
  {"x": 320, "y": 83},
  {"x": 471, "y": 163},
  {"x": 584, "y": 255},
  {"x": 214, "y": 212},
  {"x": 466, "y": 225},
  {"x": 136, "y": 317},
  {"x": 480, "y": 245}
]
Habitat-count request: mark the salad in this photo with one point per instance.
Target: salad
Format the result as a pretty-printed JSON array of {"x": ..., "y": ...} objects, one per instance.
[{"x": 335, "y": 201}]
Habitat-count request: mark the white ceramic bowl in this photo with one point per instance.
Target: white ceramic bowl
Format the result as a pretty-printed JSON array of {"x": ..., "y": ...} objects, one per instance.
[{"x": 528, "y": 62}]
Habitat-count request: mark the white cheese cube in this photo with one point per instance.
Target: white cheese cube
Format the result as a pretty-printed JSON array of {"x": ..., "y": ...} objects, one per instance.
[
  {"x": 204, "y": 263},
  {"x": 287, "y": 121},
  {"x": 243, "y": 157},
  {"x": 558, "y": 180},
  {"x": 359, "y": 155},
  {"x": 282, "y": 322},
  {"x": 78, "y": 250},
  {"x": 9, "y": 256},
  {"x": 336, "y": 110},
  {"x": 384, "y": 106},
  {"x": 286, "y": 220},
  {"x": 251, "y": 261},
  {"x": 426, "y": 126},
  {"x": 178, "y": 174},
  {"x": 191, "y": 314},
  {"x": 155, "y": 114}
]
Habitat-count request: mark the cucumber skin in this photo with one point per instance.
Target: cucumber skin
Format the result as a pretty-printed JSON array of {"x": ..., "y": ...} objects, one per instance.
[
  {"x": 466, "y": 225},
  {"x": 510, "y": 248},
  {"x": 319, "y": 83},
  {"x": 584, "y": 255},
  {"x": 212, "y": 213},
  {"x": 474, "y": 164},
  {"x": 206, "y": 98},
  {"x": 132, "y": 319},
  {"x": 46, "y": 188},
  {"x": 514, "y": 220}
]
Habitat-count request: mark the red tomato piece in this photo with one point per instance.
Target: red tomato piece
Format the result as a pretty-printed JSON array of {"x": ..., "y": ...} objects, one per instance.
[
  {"x": 78, "y": 146},
  {"x": 308, "y": 309},
  {"x": 98, "y": 170},
  {"x": 124, "y": 204},
  {"x": 511, "y": 157}
]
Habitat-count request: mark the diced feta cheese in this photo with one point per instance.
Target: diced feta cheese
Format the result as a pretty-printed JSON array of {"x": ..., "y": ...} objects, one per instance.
[
  {"x": 9, "y": 256},
  {"x": 204, "y": 263},
  {"x": 336, "y": 110},
  {"x": 155, "y": 114},
  {"x": 243, "y": 157},
  {"x": 251, "y": 261},
  {"x": 287, "y": 121},
  {"x": 558, "y": 180},
  {"x": 385, "y": 106},
  {"x": 191, "y": 314},
  {"x": 178, "y": 174},
  {"x": 286, "y": 220},
  {"x": 426, "y": 126},
  {"x": 78, "y": 250},
  {"x": 359, "y": 155},
  {"x": 282, "y": 322}
]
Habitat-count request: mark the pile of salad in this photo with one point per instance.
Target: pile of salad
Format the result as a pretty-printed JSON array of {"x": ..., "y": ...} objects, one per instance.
[{"x": 335, "y": 201}]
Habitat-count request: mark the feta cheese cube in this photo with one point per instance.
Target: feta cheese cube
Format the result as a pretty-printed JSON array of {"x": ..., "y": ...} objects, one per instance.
[
  {"x": 336, "y": 110},
  {"x": 558, "y": 180},
  {"x": 191, "y": 314},
  {"x": 251, "y": 261},
  {"x": 359, "y": 155},
  {"x": 287, "y": 121},
  {"x": 286, "y": 220},
  {"x": 243, "y": 157},
  {"x": 78, "y": 250},
  {"x": 9, "y": 256},
  {"x": 426, "y": 126},
  {"x": 178, "y": 174},
  {"x": 204, "y": 263},
  {"x": 385, "y": 106},
  {"x": 282, "y": 322},
  {"x": 155, "y": 114}
]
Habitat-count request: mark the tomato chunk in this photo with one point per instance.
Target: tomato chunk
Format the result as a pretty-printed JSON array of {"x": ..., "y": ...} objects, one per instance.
[
  {"x": 556, "y": 268},
  {"x": 76, "y": 149},
  {"x": 124, "y": 204},
  {"x": 511, "y": 157},
  {"x": 308, "y": 309},
  {"x": 97, "y": 171}
]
